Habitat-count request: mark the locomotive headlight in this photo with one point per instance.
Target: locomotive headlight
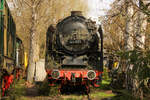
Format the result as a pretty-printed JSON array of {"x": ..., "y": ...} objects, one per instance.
[
  {"x": 91, "y": 74},
  {"x": 55, "y": 74}
]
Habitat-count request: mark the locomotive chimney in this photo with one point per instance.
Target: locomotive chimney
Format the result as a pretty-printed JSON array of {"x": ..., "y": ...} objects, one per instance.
[{"x": 76, "y": 13}]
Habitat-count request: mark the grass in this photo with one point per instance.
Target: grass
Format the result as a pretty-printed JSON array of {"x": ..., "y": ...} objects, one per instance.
[
  {"x": 19, "y": 92},
  {"x": 126, "y": 95},
  {"x": 16, "y": 90},
  {"x": 45, "y": 90},
  {"x": 102, "y": 95},
  {"x": 72, "y": 97},
  {"x": 94, "y": 96},
  {"x": 96, "y": 93}
]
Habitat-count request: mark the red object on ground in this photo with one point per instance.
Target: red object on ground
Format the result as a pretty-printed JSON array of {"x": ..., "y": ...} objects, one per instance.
[{"x": 7, "y": 81}]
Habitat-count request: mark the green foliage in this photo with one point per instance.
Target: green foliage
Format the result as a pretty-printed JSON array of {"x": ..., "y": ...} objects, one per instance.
[
  {"x": 123, "y": 97},
  {"x": 105, "y": 74},
  {"x": 102, "y": 95},
  {"x": 139, "y": 63},
  {"x": 105, "y": 85},
  {"x": 17, "y": 90},
  {"x": 140, "y": 60},
  {"x": 70, "y": 99},
  {"x": 118, "y": 81},
  {"x": 46, "y": 90}
]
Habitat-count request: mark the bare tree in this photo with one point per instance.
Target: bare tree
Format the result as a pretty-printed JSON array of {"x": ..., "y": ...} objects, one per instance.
[
  {"x": 28, "y": 16},
  {"x": 34, "y": 47},
  {"x": 130, "y": 16},
  {"x": 33, "y": 18}
]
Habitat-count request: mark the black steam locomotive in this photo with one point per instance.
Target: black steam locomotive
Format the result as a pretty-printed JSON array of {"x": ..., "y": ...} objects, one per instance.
[{"x": 74, "y": 53}]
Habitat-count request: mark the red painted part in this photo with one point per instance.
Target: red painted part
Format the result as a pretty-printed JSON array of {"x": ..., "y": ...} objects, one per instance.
[
  {"x": 66, "y": 74},
  {"x": 87, "y": 89},
  {"x": 95, "y": 84},
  {"x": 66, "y": 77},
  {"x": 52, "y": 84},
  {"x": 18, "y": 73},
  {"x": 7, "y": 81}
]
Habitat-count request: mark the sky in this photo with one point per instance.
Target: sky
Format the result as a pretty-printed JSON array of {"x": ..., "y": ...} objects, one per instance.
[{"x": 98, "y": 8}]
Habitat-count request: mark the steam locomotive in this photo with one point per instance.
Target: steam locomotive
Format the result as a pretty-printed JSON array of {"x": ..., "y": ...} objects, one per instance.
[{"x": 74, "y": 53}]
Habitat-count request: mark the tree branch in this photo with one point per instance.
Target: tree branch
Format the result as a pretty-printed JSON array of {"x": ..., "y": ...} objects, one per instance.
[{"x": 27, "y": 3}]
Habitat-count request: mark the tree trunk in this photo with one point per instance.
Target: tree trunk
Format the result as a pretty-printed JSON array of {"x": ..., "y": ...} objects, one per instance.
[
  {"x": 34, "y": 48},
  {"x": 141, "y": 35},
  {"x": 140, "y": 29},
  {"x": 129, "y": 31},
  {"x": 128, "y": 38}
]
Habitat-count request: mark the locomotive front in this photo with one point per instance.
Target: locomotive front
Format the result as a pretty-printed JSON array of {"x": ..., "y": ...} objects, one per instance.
[
  {"x": 74, "y": 52},
  {"x": 73, "y": 35}
]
